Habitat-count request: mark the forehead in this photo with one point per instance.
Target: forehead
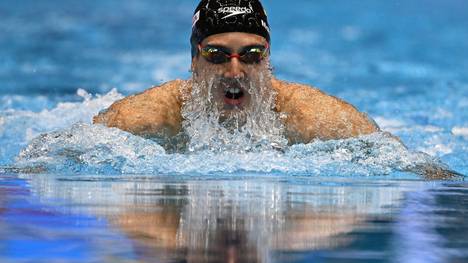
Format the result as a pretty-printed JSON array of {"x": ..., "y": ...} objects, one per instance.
[{"x": 234, "y": 40}]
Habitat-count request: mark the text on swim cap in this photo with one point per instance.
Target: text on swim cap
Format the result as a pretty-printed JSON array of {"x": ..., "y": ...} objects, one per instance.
[{"x": 234, "y": 10}]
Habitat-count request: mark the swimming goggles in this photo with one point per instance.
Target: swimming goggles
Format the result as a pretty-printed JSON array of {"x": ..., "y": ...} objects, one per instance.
[{"x": 248, "y": 55}]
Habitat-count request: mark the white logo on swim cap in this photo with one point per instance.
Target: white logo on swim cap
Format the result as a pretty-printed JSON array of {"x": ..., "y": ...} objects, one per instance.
[
  {"x": 195, "y": 18},
  {"x": 234, "y": 11},
  {"x": 265, "y": 26}
]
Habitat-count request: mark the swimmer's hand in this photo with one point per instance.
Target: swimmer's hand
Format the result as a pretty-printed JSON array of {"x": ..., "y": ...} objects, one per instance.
[
  {"x": 435, "y": 172},
  {"x": 429, "y": 170}
]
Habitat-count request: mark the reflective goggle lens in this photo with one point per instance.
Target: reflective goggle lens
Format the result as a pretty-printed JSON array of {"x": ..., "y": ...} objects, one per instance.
[{"x": 249, "y": 55}]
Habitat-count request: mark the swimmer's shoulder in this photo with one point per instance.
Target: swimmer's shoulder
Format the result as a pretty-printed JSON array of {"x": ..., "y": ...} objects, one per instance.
[
  {"x": 313, "y": 114},
  {"x": 149, "y": 112},
  {"x": 288, "y": 93},
  {"x": 291, "y": 95},
  {"x": 173, "y": 90}
]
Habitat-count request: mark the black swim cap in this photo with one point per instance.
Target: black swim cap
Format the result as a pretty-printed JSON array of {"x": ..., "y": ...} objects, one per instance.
[{"x": 220, "y": 16}]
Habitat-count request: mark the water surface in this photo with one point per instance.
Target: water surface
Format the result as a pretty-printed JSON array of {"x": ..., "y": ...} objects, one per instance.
[{"x": 95, "y": 194}]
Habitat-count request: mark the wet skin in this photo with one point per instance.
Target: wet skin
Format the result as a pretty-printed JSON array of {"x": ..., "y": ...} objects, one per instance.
[
  {"x": 232, "y": 70},
  {"x": 309, "y": 113}
]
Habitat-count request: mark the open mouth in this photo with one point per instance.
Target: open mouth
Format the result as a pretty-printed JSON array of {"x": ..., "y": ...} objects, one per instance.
[{"x": 233, "y": 96}]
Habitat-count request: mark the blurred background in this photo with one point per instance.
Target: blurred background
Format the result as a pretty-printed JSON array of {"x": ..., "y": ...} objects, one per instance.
[{"x": 53, "y": 47}]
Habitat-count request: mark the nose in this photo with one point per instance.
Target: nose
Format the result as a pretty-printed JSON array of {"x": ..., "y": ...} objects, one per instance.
[{"x": 234, "y": 69}]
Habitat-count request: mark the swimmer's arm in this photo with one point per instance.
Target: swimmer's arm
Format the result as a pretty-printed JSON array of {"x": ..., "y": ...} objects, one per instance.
[
  {"x": 312, "y": 114},
  {"x": 435, "y": 172},
  {"x": 429, "y": 171},
  {"x": 155, "y": 112}
]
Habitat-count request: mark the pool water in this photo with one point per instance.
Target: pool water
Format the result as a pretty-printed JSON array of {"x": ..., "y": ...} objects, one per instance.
[{"x": 71, "y": 191}]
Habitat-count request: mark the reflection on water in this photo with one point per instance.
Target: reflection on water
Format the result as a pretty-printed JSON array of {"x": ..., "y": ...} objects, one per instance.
[
  {"x": 383, "y": 56},
  {"x": 262, "y": 219}
]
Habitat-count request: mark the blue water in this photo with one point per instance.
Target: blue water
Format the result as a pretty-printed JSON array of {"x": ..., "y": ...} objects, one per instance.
[{"x": 94, "y": 194}]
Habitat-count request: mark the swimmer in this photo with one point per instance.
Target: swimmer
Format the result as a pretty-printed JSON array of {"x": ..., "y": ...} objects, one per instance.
[
  {"x": 231, "y": 40},
  {"x": 232, "y": 77}
]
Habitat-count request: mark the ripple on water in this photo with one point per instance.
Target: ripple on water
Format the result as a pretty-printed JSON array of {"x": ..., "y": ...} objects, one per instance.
[
  {"x": 19, "y": 127},
  {"x": 89, "y": 148},
  {"x": 460, "y": 131},
  {"x": 62, "y": 140}
]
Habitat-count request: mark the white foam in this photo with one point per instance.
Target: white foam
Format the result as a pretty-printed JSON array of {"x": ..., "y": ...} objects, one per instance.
[
  {"x": 390, "y": 125},
  {"x": 92, "y": 148},
  {"x": 70, "y": 147},
  {"x": 256, "y": 126},
  {"x": 437, "y": 146},
  {"x": 460, "y": 131},
  {"x": 394, "y": 125},
  {"x": 19, "y": 127},
  {"x": 437, "y": 149},
  {"x": 432, "y": 129},
  {"x": 67, "y": 113}
]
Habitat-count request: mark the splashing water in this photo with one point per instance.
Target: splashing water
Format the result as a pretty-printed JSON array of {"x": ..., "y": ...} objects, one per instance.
[
  {"x": 73, "y": 144},
  {"x": 256, "y": 127},
  {"x": 89, "y": 148},
  {"x": 18, "y": 127},
  {"x": 86, "y": 148}
]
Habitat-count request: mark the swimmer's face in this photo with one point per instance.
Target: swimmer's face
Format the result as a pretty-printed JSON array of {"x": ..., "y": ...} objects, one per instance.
[{"x": 235, "y": 73}]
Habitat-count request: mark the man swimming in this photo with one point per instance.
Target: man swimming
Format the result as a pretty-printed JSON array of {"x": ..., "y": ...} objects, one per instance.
[
  {"x": 232, "y": 81},
  {"x": 230, "y": 41}
]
